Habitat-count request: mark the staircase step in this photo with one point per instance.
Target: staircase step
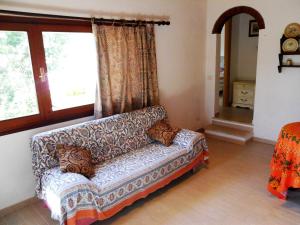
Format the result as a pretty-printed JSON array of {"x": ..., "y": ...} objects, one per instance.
[
  {"x": 229, "y": 134},
  {"x": 232, "y": 124}
]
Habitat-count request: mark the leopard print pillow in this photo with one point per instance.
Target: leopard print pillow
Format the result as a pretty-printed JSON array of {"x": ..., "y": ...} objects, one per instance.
[
  {"x": 75, "y": 160},
  {"x": 162, "y": 132}
]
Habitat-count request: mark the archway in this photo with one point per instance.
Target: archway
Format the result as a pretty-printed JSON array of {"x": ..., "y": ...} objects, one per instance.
[
  {"x": 226, "y": 89},
  {"x": 217, "y": 29}
]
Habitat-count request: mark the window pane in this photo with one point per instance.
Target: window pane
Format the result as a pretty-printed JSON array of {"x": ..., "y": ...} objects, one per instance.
[
  {"x": 72, "y": 68},
  {"x": 17, "y": 88}
]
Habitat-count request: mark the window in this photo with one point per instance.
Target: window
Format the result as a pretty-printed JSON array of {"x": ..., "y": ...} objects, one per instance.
[
  {"x": 47, "y": 73},
  {"x": 17, "y": 89},
  {"x": 71, "y": 68}
]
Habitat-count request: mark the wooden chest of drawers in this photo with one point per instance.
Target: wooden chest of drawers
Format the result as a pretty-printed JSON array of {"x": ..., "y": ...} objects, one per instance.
[{"x": 243, "y": 94}]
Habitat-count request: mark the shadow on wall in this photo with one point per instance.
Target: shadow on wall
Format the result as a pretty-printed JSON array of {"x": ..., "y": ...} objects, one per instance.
[
  {"x": 183, "y": 111},
  {"x": 90, "y": 12}
]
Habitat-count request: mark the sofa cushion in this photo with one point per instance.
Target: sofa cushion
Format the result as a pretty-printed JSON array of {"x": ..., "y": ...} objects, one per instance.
[
  {"x": 75, "y": 160},
  {"x": 162, "y": 132}
]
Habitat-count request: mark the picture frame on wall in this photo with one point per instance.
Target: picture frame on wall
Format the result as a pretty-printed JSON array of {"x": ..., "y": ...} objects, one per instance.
[{"x": 253, "y": 28}]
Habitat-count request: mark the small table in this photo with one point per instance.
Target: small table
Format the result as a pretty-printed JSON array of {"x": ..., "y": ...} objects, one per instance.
[{"x": 285, "y": 163}]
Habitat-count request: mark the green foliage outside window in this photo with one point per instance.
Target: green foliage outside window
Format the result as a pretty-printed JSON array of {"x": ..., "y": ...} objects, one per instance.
[{"x": 17, "y": 89}]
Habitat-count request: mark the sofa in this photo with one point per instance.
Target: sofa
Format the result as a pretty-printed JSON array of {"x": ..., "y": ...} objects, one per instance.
[{"x": 129, "y": 165}]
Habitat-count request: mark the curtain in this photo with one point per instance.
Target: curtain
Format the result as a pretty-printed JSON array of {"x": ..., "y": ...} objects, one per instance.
[{"x": 127, "y": 77}]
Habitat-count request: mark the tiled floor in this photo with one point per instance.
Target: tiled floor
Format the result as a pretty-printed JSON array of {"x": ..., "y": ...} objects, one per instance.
[
  {"x": 232, "y": 191},
  {"x": 236, "y": 114}
]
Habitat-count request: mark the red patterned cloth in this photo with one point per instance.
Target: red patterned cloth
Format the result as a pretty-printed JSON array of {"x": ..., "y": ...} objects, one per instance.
[{"x": 285, "y": 163}]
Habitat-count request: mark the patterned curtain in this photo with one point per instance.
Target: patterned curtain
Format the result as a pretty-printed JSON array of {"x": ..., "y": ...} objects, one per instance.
[{"x": 127, "y": 69}]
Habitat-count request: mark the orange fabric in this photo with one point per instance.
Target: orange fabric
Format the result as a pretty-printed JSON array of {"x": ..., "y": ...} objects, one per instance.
[
  {"x": 93, "y": 214},
  {"x": 285, "y": 163}
]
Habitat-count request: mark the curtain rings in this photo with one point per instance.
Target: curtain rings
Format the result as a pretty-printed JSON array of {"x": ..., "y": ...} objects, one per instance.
[{"x": 139, "y": 23}]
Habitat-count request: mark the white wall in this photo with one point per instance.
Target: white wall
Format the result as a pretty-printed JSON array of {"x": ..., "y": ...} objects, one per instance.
[
  {"x": 247, "y": 48},
  {"x": 222, "y": 43},
  {"x": 235, "y": 56},
  {"x": 277, "y": 97},
  {"x": 17, "y": 181},
  {"x": 180, "y": 56},
  {"x": 235, "y": 39}
]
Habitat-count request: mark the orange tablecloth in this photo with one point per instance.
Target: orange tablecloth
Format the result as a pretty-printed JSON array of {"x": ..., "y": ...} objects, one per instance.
[{"x": 285, "y": 163}]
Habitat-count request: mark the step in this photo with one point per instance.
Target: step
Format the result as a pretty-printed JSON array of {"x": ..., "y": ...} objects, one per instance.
[
  {"x": 229, "y": 134},
  {"x": 232, "y": 124}
]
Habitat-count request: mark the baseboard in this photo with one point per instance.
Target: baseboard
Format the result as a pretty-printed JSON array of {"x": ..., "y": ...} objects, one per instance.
[
  {"x": 18, "y": 206},
  {"x": 263, "y": 140}
]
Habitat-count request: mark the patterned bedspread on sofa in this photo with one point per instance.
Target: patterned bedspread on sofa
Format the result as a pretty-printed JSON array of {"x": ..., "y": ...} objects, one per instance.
[
  {"x": 132, "y": 173},
  {"x": 116, "y": 180}
]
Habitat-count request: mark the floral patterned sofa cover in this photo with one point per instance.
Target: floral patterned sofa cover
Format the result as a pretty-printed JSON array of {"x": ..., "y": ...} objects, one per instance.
[{"x": 130, "y": 165}]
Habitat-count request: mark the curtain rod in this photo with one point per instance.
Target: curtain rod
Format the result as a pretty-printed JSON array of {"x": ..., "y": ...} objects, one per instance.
[{"x": 85, "y": 19}]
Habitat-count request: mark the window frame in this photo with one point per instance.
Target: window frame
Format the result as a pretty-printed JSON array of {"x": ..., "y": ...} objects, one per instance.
[{"x": 34, "y": 28}]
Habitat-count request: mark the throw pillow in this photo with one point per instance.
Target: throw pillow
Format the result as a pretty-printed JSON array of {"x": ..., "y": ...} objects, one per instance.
[
  {"x": 162, "y": 131},
  {"x": 75, "y": 160}
]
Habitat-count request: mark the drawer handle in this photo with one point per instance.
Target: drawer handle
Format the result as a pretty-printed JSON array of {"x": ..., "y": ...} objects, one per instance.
[
  {"x": 244, "y": 100},
  {"x": 244, "y": 92}
]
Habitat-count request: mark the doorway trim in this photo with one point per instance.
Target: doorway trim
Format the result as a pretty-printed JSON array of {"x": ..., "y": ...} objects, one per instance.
[
  {"x": 227, "y": 64},
  {"x": 217, "y": 29}
]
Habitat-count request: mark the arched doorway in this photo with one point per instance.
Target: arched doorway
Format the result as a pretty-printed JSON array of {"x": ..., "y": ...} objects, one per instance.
[
  {"x": 228, "y": 94},
  {"x": 217, "y": 29}
]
